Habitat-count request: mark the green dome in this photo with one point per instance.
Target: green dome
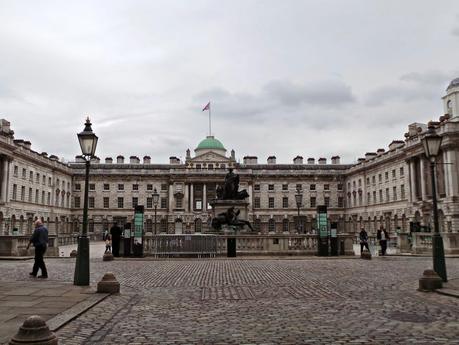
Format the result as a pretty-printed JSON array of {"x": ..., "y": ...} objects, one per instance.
[{"x": 210, "y": 143}]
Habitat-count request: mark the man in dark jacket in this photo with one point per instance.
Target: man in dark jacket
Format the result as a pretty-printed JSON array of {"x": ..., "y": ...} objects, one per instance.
[
  {"x": 39, "y": 240},
  {"x": 363, "y": 236},
  {"x": 382, "y": 236},
  {"x": 115, "y": 231}
]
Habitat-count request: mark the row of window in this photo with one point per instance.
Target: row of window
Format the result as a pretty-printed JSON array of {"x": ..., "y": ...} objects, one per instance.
[
  {"x": 285, "y": 204},
  {"x": 380, "y": 178},
  {"x": 120, "y": 186},
  {"x": 372, "y": 198},
  {"x": 43, "y": 198},
  {"x": 39, "y": 177},
  {"x": 120, "y": 202},
  {"x": 285, "y": 186}
]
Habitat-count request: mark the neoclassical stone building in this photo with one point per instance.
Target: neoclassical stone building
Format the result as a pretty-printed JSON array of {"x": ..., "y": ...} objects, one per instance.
[{"x": 389, "y": 187}]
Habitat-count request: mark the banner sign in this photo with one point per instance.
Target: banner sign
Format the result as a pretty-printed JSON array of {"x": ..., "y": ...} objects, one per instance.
[
  {"x": 322, "y": 221},
  {"x": 138, "y": 223}
]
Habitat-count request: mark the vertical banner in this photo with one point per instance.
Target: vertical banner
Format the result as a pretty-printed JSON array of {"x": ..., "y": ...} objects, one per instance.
[
  {"x": 322, "y": 228},
  {"x": 138, "y": 230}
]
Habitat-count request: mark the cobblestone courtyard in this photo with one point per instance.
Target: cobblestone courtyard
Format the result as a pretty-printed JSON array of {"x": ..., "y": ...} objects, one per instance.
[{"x": 249, "y": 301}]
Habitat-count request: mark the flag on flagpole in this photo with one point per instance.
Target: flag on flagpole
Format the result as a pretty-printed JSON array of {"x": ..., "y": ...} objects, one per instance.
[{"x": 207, "y": 107}]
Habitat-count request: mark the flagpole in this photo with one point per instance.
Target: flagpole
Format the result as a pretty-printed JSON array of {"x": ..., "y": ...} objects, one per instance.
[{"x": 210, "y": 127}]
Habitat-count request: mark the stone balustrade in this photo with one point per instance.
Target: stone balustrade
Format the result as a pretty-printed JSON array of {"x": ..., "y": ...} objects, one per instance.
[{"x": 17, "y": 246}]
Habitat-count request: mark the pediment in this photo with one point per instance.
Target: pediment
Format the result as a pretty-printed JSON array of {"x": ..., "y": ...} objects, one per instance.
[{"x": 210, "y": 157}]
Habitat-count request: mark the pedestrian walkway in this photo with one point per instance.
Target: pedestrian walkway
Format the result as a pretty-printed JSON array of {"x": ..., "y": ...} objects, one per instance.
[{"x": 56, "y": 302}]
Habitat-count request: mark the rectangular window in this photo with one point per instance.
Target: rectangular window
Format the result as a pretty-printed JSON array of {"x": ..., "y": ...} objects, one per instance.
[
  {"x": 135, "y": 202},
  {"x": 326, "y": 187},
  {"x": 77, "y": 186},
  {"x": 285, "y": 225},
  {"x": 270, "y": 187},
  {"x": 394, "y": 190},
  {"x": 164, "y": 187},
  {"x": 91, "y": 202},
  {"x": 312, "y": 187},
  {"x": 135, "y": 186},
  {"x": 149, "y": 186},
  {"x": 15, "y": 191},
  {"x": 178, "y": 203},
  {"x": 375, "y": 201},
  {"x": 120, "y": 202},
  {"x": 393, "y": 173},
  {"x": 380, "y": 196},
  {"x": 37, "y": 178},
  {"x": 386, "y": 175},
  {"x": 271, "y": 202},
  {"x": 313, "y": 201},
  {"x": 120, "y": 186},
  {"x": 401, "y": 171},
  {"x": 368, "y": 180},
  {"x": 387, "y": 195},
  {"x": 380, "y": 178},
  {"x": 149, "y": 202},
  {"x": 50, "y": 181},
  {"x": 31, "y": 176},
  {"x": 298, "y": 187},
  {"x": 43, "y": 197},
  {"x": 24, "y": 173},
  {"x": 15, "y": 171},
  {"x": 77, "y": 202},
  {"x": 285, "y": 187},
  {"x": 402, "y": 192},
  {"x": 340, "y": 202},
  {"x": 37, "y": 196},
  {"x": 285, "y": 202},
  {"x": 373, "y": 179},
  {"x": 44, "y": 179},
  {"x": 256, "y": 187},
  {"x": 49, "y": 198},
  {"x": 106, "y": 186},
  {"x": 327, "y": 201},
  {"x": 22, "y": 193},
  {"x": 340, "y": 186},
  {"x": 106, "y": 202},
  {"x": 368, "y": 198},
  {"x": 30, "y": 195},
  {"x": 256, "y": 202},
  {"x": 360, "y": 182},
  {"x": 92, "y": 186},
  {"x": 198, "y": 166},
  {"x": 163, "y": 202}
]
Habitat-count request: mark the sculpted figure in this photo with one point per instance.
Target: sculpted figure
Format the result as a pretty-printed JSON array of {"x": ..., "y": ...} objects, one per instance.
[
  {"x": 229, "y": 191},
  {"x": 229, "y": 217}
]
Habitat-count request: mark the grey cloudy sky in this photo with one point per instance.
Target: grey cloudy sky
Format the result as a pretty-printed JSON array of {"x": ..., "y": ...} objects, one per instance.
[{"x": 285, "y": 78}]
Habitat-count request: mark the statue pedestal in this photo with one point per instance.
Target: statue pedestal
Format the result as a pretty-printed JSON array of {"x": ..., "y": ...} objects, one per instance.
[{"x": 221, "y": 206}]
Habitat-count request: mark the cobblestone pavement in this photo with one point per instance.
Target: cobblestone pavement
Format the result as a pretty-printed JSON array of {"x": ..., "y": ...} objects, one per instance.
[{"x": 222, "y": 301}]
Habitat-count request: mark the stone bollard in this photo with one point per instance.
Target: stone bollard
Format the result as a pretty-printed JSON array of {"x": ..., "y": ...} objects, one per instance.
[
  {"x": 108, "y": 284},
  {"x": 73, "y": 253},
  {"x": 35, "y": 331},
  {"x": 430, "y": 281},
  {"x": 107, "y": 257}
]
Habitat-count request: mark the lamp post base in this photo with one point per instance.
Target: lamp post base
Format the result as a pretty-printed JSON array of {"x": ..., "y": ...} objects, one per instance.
[
  {"x": 81, "y": 276},
  {"x": 438, "y": 254}
]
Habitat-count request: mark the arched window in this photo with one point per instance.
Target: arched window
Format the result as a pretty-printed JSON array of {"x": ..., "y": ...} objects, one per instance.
[
  {"x": 163, "y": 225},
  {"x": 285, "y": 225},
  {"x": 271, "y": 225},
  {"x": 197, "y": 225}
]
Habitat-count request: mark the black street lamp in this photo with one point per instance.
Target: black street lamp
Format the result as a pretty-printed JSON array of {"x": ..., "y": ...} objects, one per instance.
[
  {"x": 299, "y": 200},
  {"x": 155, "y": 196},
  {"x": 432, "y": 142},
  {"x": 88, "y": 143}
]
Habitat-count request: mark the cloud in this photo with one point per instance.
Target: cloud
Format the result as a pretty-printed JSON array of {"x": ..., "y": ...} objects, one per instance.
[{"x": 455, "y": 31}]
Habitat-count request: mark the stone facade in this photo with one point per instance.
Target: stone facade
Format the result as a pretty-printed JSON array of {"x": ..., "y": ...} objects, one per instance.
[{"x": 389, "y": 187}]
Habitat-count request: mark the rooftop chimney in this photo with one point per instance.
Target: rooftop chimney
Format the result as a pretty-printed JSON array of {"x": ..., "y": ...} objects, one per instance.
[
  {"x": 370, "y": 155},
  {"x": 120, "y": 159},
  {"x": 311, "y": 161},
  {"x": 322, "y": 161},
  {"x": 250, "y": 160},
  {"x": 335, "y": 160},
  {"x": 298, "y": 160},
  {"x": 395, "y": 144},
  {"x": 146, "y": 159},
  {"x": 134, "y": 160},
  {"x": 108, "y": 160},
  {"x": 272, "y": 160}
]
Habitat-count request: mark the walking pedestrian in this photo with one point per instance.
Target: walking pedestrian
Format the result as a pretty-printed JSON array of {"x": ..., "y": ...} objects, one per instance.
[
  {"x": 115, "y": 233},
  {"x": 39, "y": 240},
  {"x": 382, "y": 236},
  {"x": 363, "y": 240},
  {"x": 108, "y": 244}
]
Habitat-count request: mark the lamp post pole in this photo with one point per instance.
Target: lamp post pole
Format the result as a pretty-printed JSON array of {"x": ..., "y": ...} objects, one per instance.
[
  {"x": 88, "y": 143},
  {"x": 432, "y": 143}
]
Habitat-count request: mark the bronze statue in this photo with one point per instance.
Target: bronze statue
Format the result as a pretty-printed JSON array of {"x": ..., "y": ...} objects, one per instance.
[
  {"x": 229, "y": 217},
  {"x": 229, "y": 191}
]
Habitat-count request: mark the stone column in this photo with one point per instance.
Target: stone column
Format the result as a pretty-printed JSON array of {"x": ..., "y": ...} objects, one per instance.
[
  {"x": 250, "y": 196},
  {"x": 451, "y": 173},
  {"x": 423, "y": 165},
  {"x": 204, "y": 197},
  {"x": 186, "y": 203},
  {"x": 171, "y": 197},
  {"x": 412, "y": 177},
  {"x": 191, "y": 197}
]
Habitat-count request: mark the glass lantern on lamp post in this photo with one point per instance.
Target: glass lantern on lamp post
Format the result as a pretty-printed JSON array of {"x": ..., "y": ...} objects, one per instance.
[
  {"x": 432, "y": 142},
  {"x": 88, "y": 144}
]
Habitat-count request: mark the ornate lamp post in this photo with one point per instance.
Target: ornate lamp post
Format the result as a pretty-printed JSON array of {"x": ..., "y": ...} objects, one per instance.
[
  {"x": 88, "y": 144},
  {"x": 155, "y": 196},
  {"x": 299, "y": 201},
  {"x": 432, "y": 142}
]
